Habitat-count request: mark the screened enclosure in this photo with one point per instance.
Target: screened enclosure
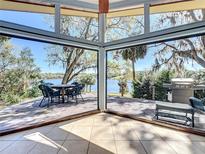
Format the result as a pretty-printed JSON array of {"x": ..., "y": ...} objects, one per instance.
[{"x": 126, "y": 54}]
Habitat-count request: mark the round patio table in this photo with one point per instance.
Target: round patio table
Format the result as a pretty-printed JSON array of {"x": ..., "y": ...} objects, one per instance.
[{"x": 62, "y": 88}]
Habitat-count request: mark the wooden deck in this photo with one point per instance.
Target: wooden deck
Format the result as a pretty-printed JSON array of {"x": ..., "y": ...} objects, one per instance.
[
  {"x": 144, "y": 108},
  {"x": 28, "y": 114}
]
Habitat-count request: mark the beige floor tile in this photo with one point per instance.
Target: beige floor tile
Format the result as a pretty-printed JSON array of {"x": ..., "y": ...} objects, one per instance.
[
  {"x": 196, "y": 138},
  {"x": 102, "y": 133},
  {"x": 66, "y": 128},
  {"x": 12, "y": 137},
  {"x": 106, "y": 133},
  {"x": 125, "y": 122},
  {"x": 69, "y": 122},
  {"x": 102, "y": 147},
  {"x": 101, "y": 120},
  {"x": 5, "y": 144},
  {"x": 19, "y": 147},
  {"x": 168, "y": 134},
  {"x": 130, "y": 147},
  {"x": 125, "y": 133},
  {"x": 47, "y": 147},
  {"x": 182, "y": 147},
  {"x": 57, "y": 134},
  {"x": 74, "y": 147},
  {"x": 157, "y": 147},
  {"x": 147, "y": 133},
  {"x": 41, "y": 130},
  {"x": 200, "y": 146},
  {"x": 79, "y": 133},
  {"x": 36, "y": 137},
  {"x": 88, "y": 121}
]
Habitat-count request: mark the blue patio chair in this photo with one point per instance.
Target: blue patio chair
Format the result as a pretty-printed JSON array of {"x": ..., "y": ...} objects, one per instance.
[
  {"x": 49, "y": 93},
  {"x": 74, "y": 83},
  {"x": 78, "y": 91},
  {"x": 44, "y": 92},
  {"x": 70, "y": 92},
  {"x": 197, "y": 103},
  {"x": 52, "y": 93}
]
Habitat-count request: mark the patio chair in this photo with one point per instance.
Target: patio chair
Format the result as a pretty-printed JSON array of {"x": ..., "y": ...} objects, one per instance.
[
  {"x": 70, "y": 92},
  {"x": 197, "y": 104},
  {"x": 52, "y": 93},
  {"x": 74, "y": 83},
  {"x": 78, "y": 91},
  {"x": 44, "y": 92},
  {"x": 49, "y": 93},
  {"x": 75, "y": 91}
]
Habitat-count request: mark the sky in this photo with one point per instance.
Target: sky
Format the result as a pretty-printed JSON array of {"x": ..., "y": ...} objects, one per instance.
[{"x": 39, "y": 49}]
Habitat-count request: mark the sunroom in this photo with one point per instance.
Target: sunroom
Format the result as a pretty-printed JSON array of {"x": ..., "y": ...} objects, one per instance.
[{"x": 70, "y": 67}]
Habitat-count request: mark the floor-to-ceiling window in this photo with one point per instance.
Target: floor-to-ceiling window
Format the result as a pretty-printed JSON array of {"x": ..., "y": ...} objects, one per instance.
[
  {"x": 26, "y": 65},
  {"x": 125, "y": 23},
  {"x": 170, "y": 72}
]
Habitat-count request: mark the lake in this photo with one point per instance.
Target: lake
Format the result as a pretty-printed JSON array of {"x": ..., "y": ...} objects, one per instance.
[{"x": 112, "y": 85}]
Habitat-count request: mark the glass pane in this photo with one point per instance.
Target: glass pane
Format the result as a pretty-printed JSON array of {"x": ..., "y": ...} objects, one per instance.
[
  {"x": 123, "y": 24},
  {"x": 37, "y": 16},
  {"x": 175, "y": 14},
  {"x": 79, "y": 24},
  {"x": 43, "y": 82},
  {"x": 138, "y": 78}
]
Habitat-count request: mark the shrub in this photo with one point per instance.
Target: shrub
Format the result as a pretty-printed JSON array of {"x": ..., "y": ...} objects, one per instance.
[
  {"x": 10, "y": 98},
  {"x": 160, "y": 91},
  {"x": 199, "y": 94},
  {"x": 32, "y": 92},
  {"x": 143, "y": 89}
]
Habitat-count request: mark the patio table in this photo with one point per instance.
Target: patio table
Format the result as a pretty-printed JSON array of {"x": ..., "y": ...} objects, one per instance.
[{"x": 62, "y": 87}]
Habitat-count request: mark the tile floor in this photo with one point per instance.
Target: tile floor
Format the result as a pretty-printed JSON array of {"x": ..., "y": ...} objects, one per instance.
[{"x": 102, "y": 134}]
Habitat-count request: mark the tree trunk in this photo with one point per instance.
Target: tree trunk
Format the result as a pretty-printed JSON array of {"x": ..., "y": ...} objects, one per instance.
[
  {"x": 90, "y": 88},
  {"x": 70, "y": 66},
  {"x": 133, "y": 71}
]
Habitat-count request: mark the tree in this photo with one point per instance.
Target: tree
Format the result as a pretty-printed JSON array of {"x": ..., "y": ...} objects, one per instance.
[
  {"x": 161, "y": 92},
  {"x": 124, "y": 26},
  {"x": 17, "y": 71},
  {"x": 87, "y": 80},
  {"x": 75, "y": 60},
  {"x": 133, "y": 54},
  {"x": 113, "y": 69},
  {"x": 122, "y": 83},
  {"x": 175, "y": 54},
  {"x": 143, "y": 88}
]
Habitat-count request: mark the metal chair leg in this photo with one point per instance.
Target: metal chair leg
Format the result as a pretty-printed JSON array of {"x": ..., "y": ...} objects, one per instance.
[
  {"x": 41, "y": 101},
  {"x": 82, "y": 98},
  {"x": 48, "y": 102},
  {"x": 76, "y": 99}
]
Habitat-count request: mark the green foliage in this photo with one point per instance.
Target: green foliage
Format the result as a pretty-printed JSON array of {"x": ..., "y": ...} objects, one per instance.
[
  {"x": 17, "y": 71},
  {"x": 10, "y": 98},
  {"x": 133, "y": 54},
  {"x": 142, "y": 88},
  {"x": 74, "y": 60},
  {"x": 113, "y": 69},
  {"x": 160, "y": 91},
  {"x": 33, "y": 91},
  {"x": 87, "y": 79},
  {"x": 200, "y": 94}
]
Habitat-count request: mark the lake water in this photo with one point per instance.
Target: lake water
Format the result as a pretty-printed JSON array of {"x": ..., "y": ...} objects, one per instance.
[{"x": 112, "y": 85}]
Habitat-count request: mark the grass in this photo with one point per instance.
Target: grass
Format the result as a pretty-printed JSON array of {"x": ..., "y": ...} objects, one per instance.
[{"x": 119, "y": 95}]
